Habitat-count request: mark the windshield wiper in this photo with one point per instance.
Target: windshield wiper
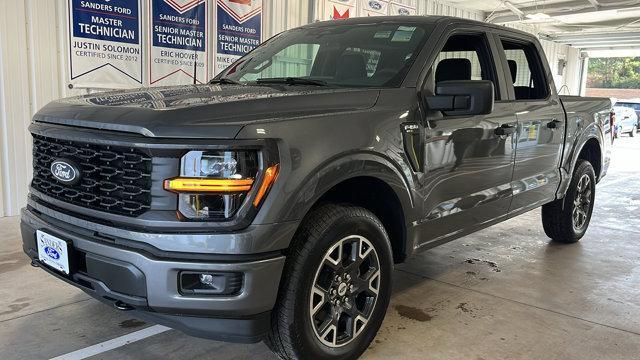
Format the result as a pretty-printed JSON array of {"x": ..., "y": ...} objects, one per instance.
[
  {"x": 224, "y": 80},
  {"x": 291, "y": 81}
]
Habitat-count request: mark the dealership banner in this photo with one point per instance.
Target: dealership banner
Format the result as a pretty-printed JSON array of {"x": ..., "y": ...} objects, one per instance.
[
  {"x": 338, "y": 9},
  {"x": 401, "y": 9},
  {"x": 178, "y": 51},
  {"x": 105, "y": 49},
  {"x": 239, "y": 30},
  {"x": 374, "y": 8}
]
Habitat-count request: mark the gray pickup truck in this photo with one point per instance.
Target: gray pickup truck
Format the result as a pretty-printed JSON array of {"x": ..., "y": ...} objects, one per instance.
[{"x": 272, "y": 203}]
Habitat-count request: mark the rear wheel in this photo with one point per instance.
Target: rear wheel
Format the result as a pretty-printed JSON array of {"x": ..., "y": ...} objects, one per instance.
[
  {"x": 335, "y": 287},
  {"x": 566, "y": 220}
]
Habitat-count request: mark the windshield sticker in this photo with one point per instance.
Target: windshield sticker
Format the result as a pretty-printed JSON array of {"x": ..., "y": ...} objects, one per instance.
[
  {"x": 403, "y": 34},
  {"x": 382, "y": 35}
]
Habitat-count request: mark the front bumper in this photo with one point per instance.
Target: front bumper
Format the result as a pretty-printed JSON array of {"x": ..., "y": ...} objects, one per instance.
[{"x": 135, "y": 279}]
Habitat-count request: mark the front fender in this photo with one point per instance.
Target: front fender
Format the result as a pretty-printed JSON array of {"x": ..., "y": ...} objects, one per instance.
[{"x": 334, "y": 171}]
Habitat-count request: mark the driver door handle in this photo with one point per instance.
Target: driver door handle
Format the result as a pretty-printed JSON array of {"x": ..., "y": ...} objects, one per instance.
[{"x": 505, "y": 130}]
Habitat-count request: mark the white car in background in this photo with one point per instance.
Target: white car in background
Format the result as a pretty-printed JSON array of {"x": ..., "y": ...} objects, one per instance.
[
  {"x": 631, "y": 103},
  {"x": 626, "y": 120}
]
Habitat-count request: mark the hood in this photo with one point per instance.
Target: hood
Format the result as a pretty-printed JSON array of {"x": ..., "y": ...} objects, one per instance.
[{"x": 200, "y": 111}]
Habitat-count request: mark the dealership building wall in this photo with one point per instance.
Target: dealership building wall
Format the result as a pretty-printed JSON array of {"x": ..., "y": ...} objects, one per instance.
[{"x": 34, "y": 70}]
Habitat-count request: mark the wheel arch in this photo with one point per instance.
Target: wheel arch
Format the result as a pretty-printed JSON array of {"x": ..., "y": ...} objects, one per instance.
[
  {"x": 587, "y": 146},
  {"x": 364, "y": 179},
  {"x": 592, "y": 152}
]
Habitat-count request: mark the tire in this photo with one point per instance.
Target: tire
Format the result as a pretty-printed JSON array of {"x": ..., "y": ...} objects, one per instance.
[
  {"x": 566, "y": 220},
  {"x": 633, "y": 132},
  {"x": 301, "y": 306}
]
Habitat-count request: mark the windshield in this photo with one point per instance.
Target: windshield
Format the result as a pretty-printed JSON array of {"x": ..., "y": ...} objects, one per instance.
[{"x": 350, "y": 55}]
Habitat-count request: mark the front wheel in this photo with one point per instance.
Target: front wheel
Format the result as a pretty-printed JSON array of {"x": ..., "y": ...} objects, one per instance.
[
  {"x": 335, "y": 287},
  {"x": 566, "y": 220},
  {"x": 634, "y": 131}
]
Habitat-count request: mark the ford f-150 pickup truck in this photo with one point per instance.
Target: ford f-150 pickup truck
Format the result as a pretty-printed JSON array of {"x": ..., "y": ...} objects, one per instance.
[{"x": 273, "y": 202}]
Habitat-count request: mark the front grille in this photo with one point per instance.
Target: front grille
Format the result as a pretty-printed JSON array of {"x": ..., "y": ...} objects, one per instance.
[{"x": 113, "y": 179}]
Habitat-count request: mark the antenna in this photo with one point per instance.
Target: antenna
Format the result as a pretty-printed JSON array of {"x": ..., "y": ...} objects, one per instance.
[
  {"x": 195, "y": 66},
  {"x": 195, "y": 61}
]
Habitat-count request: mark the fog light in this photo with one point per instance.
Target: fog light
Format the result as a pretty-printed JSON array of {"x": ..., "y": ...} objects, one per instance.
[
  {"x": 207, "y": 280},
  {"x": 209, "y": 283}
]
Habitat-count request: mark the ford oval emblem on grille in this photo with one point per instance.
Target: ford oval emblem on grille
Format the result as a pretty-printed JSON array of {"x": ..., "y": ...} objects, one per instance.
[{"x": 65, "y": 171}]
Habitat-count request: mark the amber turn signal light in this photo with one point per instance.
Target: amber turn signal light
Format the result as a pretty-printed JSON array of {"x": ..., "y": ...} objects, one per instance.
[
  {"x": 270, "y": 176},
  {"x": 200, "y": 185}
]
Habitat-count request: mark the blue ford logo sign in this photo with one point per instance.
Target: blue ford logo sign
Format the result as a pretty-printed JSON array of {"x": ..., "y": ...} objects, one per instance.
[
  {"x": 375, "y": 5},
  {"x": 52, "y": 253},
  {"x": 65, "y": 171}
]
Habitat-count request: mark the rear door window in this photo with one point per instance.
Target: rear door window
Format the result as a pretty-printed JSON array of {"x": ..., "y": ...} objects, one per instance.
[{"x": 525, "y": 71}]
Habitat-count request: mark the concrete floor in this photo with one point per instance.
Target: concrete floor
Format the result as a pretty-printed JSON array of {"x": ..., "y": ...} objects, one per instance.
[{"x": 502, "y": 293}]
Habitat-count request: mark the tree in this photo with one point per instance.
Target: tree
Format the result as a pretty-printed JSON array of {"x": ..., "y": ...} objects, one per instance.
[{"x": 620, "y": 73}]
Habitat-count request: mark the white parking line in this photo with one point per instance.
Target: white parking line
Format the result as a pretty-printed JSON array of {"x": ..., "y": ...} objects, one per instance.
[{"x": 113, "y": 343}]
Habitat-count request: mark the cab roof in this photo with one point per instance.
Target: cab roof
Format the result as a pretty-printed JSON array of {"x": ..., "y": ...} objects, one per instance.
[{"x": 427, "y": 20}]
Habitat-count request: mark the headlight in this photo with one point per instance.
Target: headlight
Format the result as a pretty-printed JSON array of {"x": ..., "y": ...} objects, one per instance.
[{"x": 213, "y": 184}]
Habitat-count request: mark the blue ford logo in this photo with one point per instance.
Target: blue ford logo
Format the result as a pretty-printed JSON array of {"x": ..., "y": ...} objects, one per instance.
[
  {"x": 375, "y": 5},
  {"x": 403, "y": 11},
  {"x": 52, "y": 253},
  {"x": 65, "y": 171}
]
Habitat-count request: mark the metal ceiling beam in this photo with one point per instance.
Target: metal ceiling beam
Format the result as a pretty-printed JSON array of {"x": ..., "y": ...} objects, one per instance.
[
  {"x": 594, "y": 36},
  {"x": 587, "y": 42},
  {"x": 563, "y": 8},
  {"x": 595, "y": 3},
  {"x": 514, "y": 9},
  {"x": 610, "y": 46},
  {"x": 605, "y": 45},
  {"x": 599, "y": 41}
]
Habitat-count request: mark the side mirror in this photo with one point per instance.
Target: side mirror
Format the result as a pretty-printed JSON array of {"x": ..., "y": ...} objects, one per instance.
[{"x": 462, "y": 97}]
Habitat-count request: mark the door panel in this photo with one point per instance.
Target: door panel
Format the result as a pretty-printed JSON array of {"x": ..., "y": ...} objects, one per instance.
[
  {"x": 536, "y": 175},
  {"x": 541, "y": 124},
  {"x": 468, "y": 165},
  {"x": 467, "y": 174}
]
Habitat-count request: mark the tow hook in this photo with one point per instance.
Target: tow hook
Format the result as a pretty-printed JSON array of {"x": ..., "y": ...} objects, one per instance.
[
  {"x": 122, "y": 306},
  {"x": 35, "y": 263}
]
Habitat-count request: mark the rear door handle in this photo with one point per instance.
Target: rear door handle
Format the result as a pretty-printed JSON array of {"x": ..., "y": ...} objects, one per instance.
[
  {"x": 505, "y": 130},
  {"x": 553, "y": 124}
]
